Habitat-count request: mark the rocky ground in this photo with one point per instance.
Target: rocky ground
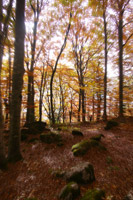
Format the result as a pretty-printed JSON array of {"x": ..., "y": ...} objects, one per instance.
[{"x": 34, "y": 178}]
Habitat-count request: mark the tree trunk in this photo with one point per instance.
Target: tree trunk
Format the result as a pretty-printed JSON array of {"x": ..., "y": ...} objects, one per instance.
[
  {"x": 120, "y": 39},
  {"x": 51, "y": 99},
  {"x": 2, "y": 153},
  {"x": 55, "y": 67},
  {"x": 105, "y": 65},
  {"x": 93, "y": 107},
  {"x": 79, "y": 105},
  {"x": 14, "y": 153},
  {"x": 83, "y": 104}
]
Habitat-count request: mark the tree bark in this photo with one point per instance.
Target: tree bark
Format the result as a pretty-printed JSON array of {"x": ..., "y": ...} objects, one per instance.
[
  {"x": 3, "y": 35},
  {"x": 14, "y": 153},
  {"x": 79, "y": 108},
  {"x": 120, "y": 40},
  {"x": 105, "y": 66}
]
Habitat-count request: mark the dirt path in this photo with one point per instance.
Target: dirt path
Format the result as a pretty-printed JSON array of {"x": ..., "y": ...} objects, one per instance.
[{"x": 33, "y": 177}]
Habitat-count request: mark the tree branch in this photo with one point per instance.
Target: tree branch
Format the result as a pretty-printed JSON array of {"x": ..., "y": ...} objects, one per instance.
[{"x": 128, "y": 39}]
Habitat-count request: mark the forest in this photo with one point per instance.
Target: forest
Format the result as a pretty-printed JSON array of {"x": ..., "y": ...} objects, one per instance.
[{"x": 66, "y": 99}]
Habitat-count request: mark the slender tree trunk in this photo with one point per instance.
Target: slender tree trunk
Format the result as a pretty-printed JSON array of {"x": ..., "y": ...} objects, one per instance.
[
  {"x": 2, "y": 153},
  {"x": 10, "y": 76},
  {"x": 51, "y": 98},
  {"x": 79, "y": 105},
  {"x": 105, "y": 65},
  {"x": 55, "y": 67},
  {"x": 83, "y": 105},
  {"x": 120, "y": 39},
  {"x": 71, "y": 111},
  {"x": 14, "y": 153},
  {"x": 93, "y": 107},
  {"x": 98, "y": 106}
]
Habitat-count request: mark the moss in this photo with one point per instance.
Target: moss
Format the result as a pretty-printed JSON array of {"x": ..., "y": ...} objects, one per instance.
[
  {"x": 81, "y": 148},
  {"x": 94, "y": 194}
]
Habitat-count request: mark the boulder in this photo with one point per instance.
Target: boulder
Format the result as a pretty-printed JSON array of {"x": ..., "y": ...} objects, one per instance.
[
  {"x": 94, "y": 194},
  {"x": 110, "y": 124},
  {"x": 129, "y": 196},
  {"x": 97, "y": 137},
  {"x": 24, "y": 137},
  {"x": 70, "y": 192},
  {"x": 51, "y": 138},
  {"x": 36, "y": 127},
  {"x": 80, "y": 148},
  {"x": 82, "y": 173},
  {"x": 76, "y": 132}
]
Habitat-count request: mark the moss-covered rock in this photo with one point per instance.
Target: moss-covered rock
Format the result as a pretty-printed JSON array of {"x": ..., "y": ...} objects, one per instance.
[
  {"x": 80, "y": 148},
  {"x": 110, "y": 124},
  {"x": 51, "y": 138},
  {"x": 70, "y": 192},
  {"x": 97, "y": 137},
  {"x": 77, "y": 132},
  {"x": 94, "y": 194},
  {"x": 82, "y": 173}
]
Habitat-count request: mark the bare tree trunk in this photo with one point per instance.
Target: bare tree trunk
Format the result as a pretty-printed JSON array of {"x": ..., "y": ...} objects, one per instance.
[
  {"x": 93, "y": 107},
  {"x": 120, "y": 38},
  {"x": 105, "y": 65},
  {"x": 83, "y": 105},
  {"x": 79, "y": 105},
  {"x": 3, "y": 35},
  {"x": 54, "y": 70},
  {"x": 14, "y": 153},
  {"x": 42, "y": 88}
]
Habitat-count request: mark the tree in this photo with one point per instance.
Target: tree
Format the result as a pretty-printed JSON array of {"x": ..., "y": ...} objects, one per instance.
[
  {"x": 3, "y": 35},
  {"x": 36, "y": 8},
  {"x": 120, "y": 8},
  {"x": 55, "y": 67},
  {"x": 14, "y": 153},
  {"x": 100, "y": 7}
]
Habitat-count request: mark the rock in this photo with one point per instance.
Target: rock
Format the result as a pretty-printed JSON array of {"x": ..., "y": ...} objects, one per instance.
[
  {"x": 110, "y": 124},
  {"x": 58, "y": 173},
  {"x": 94, "y": 194},
  {"x": 82, "y": 173},
  {"x": 77, "y": 132},
  {"x": 51, "y": 138},
  {"x": 70, "y": 192},
  {"x": 129, "y": 196},
  {"x": 25, "y": 131},
  {"x": 24, "y": 137},
  {"x": 80, "y": 148},
  {"x": 97, "y": 137},
  {"x": 36, "y": 127},
  {"x": 33, "y": 140}
]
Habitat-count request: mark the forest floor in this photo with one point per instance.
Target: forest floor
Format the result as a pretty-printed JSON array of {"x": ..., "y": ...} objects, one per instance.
[{"x": 33, "y": 177}]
